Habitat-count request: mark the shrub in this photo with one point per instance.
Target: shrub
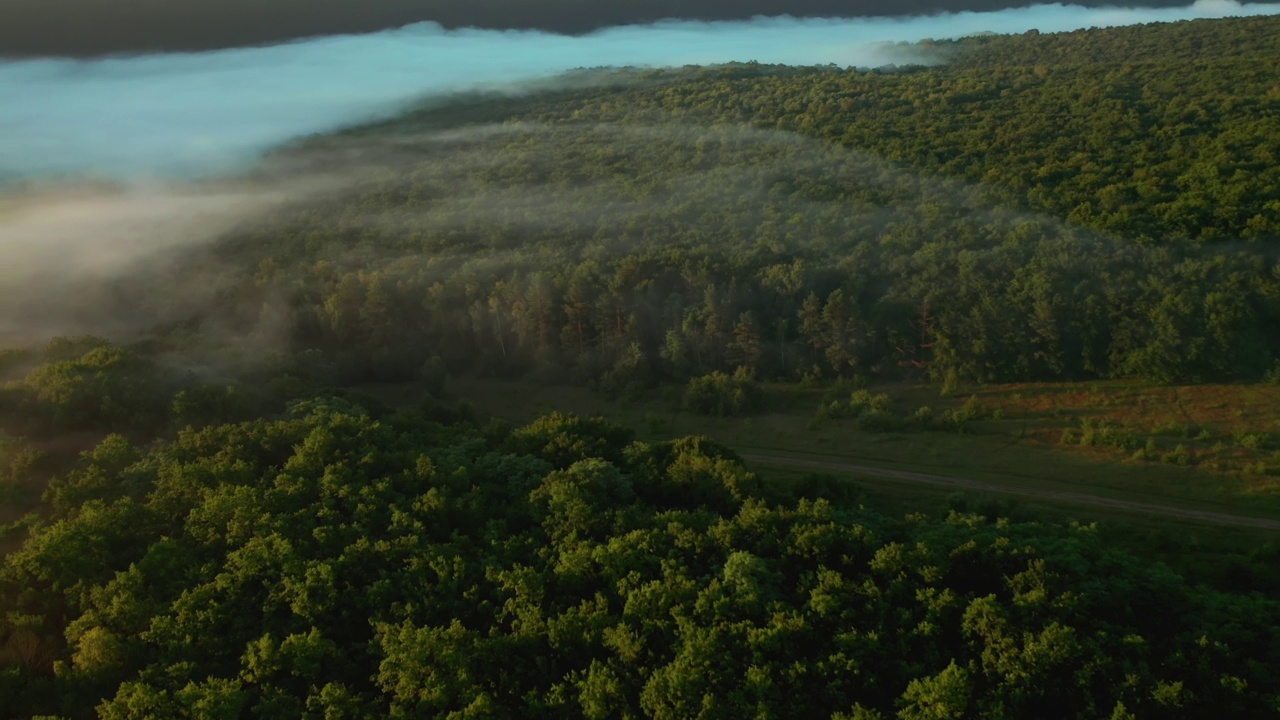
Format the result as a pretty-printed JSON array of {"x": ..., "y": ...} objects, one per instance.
[
  {"x": 958, "y": 420},
  {"x": 878, "y": 421},
  {"x": 811, "y": 377},
  {"x": 971, "y": 410},
  {"x": 950, "y": 383},
  {"x": 1104, "y": 434},
  {"x": 721, "y": 394},
  {"x": 1150, "y": 451},
  {"x": 1272, "y": 377},
  {"x": 1250, "y": 441},
  {"x": 862, "y": 401},
  {"x": 1180, "y": 456},
  {"x": 1088, "y": 433},
  {"x": 858, "y": 403}
]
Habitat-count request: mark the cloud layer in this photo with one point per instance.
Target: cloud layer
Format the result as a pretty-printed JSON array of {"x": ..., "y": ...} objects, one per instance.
[
  {"x": 95, "y": 27},
  {"x": 163, "y": 128},
  {"x": 184, "y": 115}
]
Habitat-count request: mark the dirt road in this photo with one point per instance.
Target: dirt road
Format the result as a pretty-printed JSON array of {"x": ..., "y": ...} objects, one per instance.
[{"x": 1052, "y": 495}]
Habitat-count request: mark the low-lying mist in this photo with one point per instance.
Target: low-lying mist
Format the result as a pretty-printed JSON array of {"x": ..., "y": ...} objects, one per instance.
[
  {"x": 123, "y": 260},
  {"x": 123, "y": 163},
  {"x": 184, "y": 115},
  {"x": 69, "y": 252}
]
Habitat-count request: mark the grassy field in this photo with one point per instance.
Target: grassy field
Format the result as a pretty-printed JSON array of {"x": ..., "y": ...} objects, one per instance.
[
  {"x": 1226, "y": 557},
  {"x": 1019, "y": 441},
  {"x": 1018, "y": 444}
]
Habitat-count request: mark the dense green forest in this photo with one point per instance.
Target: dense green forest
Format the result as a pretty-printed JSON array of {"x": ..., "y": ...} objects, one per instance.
[
  {"x": 246, "y": 535},
  {"x": 330, "y": 564}
]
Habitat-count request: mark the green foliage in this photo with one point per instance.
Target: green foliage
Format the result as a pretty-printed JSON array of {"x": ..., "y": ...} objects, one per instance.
[
  {"x": 333, "y": 564},
  {"x": 1100, "y": 433},
  {"x": 102, "y": 475},
  {"x": 1252, "y": 441},
  {"x": 64, "y": 348},
  {"x": 1149, "y": 451},
  {"x": 878, "y": 421},
  {"x": 215, "y": 404},
  {"x": 107, "y": 386},
  {"x": 22, "y": 468},
  {"x": 564, "y": 439},
  {"x": 858, "y": 404},
  {"x": 942, "y": 697},
  {"x": 950, "y": 382},
  {"x": 1180, "y": 455},
  {"x": 960, "y": 419},
  {"x": 1272, "y": 376},
  {"x": 723, "y": 395}
]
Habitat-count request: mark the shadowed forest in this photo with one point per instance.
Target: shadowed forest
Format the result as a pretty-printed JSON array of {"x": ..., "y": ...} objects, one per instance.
[{"x": 211, "y": 514}]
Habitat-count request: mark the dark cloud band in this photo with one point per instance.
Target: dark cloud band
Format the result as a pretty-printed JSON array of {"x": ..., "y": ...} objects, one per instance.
[{"x": 95, "y": 27}]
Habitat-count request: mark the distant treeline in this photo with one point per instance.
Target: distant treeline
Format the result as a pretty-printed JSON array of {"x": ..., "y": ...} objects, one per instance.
[{"x": 1188, "y": 41}]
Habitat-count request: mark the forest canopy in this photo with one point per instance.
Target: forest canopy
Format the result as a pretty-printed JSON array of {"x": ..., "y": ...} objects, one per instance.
[{"x": 334, "y": 564}]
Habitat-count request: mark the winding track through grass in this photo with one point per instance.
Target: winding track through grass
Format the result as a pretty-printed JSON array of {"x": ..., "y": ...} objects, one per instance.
[{"x": 959, "y": 483}]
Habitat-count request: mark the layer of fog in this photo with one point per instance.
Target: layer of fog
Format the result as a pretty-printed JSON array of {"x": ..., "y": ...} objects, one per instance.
[
  {"x": 161, "y": 129},
  {"x": 88, "y": 28},
  {"x": 183, "y": 115},
  {"x": 67, "y": 252},
  {"x": 124, "y": 262}
]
